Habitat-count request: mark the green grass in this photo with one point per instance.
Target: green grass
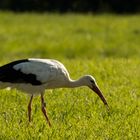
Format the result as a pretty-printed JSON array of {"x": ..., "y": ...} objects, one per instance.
[{"x": 105, "y": 46}]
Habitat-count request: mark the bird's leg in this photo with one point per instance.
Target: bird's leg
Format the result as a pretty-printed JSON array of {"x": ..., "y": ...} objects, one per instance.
[
  {"x": 44, "y": 110},
  {"x": 29, "y": 108}
]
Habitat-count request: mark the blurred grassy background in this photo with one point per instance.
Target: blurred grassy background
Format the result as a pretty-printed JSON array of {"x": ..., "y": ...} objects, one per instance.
[
  {"x": 105, "y": 46},
  {"x": 69, "y": 36}
]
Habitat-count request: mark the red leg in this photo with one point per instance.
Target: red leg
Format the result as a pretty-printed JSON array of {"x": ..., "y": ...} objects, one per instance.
[
  {"x": 44, "y": 110},
  {"x": 29, "y": 108}
]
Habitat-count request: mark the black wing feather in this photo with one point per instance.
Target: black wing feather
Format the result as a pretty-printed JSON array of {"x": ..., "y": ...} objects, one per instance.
[{"x": 9, "y": 74}]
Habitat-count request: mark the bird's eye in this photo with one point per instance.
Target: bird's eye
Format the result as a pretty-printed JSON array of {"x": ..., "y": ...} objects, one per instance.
[{"x": 92, "y": 81}]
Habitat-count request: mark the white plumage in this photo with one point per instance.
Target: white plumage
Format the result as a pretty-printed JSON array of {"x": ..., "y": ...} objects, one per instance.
[
  {"x": 33, "y": 76},
  {"x": 51, "y": 74}
]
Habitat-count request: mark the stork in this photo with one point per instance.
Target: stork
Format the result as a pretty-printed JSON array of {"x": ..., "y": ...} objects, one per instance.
[{"x": 34, "y": 75}]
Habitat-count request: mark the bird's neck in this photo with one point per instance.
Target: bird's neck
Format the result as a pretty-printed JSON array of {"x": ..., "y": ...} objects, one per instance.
[{"x": 76, "y": 83}]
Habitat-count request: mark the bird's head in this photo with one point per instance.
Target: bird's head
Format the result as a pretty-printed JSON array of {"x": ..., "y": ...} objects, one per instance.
[{"x": 91, "y": 83}]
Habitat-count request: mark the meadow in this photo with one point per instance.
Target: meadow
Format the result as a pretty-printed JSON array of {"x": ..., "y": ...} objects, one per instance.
[{"x": 105, "y": 46}]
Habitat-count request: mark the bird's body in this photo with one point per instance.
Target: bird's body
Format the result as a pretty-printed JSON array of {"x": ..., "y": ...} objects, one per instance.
[{"x": 33, "y": 76}]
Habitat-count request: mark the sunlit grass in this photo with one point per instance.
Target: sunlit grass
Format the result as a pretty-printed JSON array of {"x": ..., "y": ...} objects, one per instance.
[{"x": 105, "y": 46}]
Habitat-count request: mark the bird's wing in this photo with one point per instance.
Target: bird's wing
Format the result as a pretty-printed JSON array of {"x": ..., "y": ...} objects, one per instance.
[
  {"x": 43, "y": 72},
  {"x": 9, "y": 74},
  {"x": 33, "y": 71}
]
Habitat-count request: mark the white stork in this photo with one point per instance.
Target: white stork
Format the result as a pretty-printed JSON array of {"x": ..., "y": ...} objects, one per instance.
[{"x": 33, "y": 76}]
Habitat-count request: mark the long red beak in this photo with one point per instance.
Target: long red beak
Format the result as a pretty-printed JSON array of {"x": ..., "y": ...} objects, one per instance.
[{"x": 96, "y": 89}]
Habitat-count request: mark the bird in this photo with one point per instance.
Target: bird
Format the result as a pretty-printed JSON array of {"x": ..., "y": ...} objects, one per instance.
[{"x": 35, "y": 75}]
